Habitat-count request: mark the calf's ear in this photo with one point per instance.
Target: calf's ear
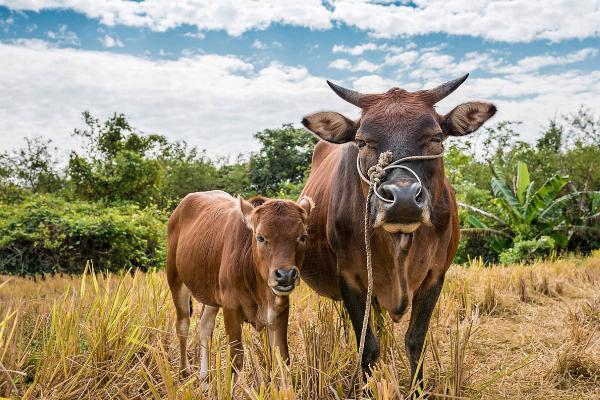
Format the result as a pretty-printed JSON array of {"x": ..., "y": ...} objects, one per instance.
[
  {"x": 331, "y": 126},
  {"x": 467, "y": 118},
  {"x": 307, "y": 204},
  {"x": 246, "y": 210}
]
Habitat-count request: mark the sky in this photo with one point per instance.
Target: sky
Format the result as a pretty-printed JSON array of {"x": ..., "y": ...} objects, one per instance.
[{"x": 214, "y": 72}]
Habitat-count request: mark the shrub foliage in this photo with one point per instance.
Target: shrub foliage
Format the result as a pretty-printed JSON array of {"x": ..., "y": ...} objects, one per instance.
[
  {"x": 48, "y": 234},
  {"x": 109, "y": 200}
]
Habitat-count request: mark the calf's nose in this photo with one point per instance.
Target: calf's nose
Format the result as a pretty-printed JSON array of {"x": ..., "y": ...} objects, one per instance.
[{"x": 286, "y": 277}]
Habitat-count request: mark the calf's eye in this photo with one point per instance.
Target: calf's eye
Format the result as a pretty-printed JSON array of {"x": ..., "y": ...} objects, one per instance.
[
  {"x": 303, "y": 238},
  {"x": 360, "y": 143},
  {"x": 260, "y": 239},
  {"x": 438, "y": 138}
]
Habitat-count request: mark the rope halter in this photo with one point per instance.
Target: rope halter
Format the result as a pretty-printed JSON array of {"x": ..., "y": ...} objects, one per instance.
[{"x": 378, "y": 171}]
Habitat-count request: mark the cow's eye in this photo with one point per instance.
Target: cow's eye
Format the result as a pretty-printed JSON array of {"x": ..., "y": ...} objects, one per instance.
[
  {"x": 260, "y": 239},
  {"x": 303, "y": 238},
  {"x": 439, "y": 138},
  {"x": 360, "y": 143}
]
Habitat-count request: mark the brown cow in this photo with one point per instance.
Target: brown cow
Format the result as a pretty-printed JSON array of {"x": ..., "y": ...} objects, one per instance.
[
  {"x": 415, "y": 228},
  {"x": 242, "y": 256}
]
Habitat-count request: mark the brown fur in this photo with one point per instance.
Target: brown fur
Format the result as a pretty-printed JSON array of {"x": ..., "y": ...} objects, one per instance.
[
  {"x": 214, "y": 256},
  {"x": 407, "y": 268}
]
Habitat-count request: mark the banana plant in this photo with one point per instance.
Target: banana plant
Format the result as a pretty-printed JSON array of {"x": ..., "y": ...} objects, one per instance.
[{"x": 523, "y": 213}]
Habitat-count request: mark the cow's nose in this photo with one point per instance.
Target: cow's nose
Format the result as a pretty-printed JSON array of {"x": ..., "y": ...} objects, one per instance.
[
  {"x": 407, "y": 201},
  {"x": 286, "y": 277}
]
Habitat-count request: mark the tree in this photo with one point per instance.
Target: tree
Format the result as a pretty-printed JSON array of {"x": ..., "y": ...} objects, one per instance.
[
  {"x": 284, "y": 158},
  {"x": 32, "y": 167},
  {"x": 121, "y": 164},
  {"x": 534, "y": 222},
  {"x": 187, "y": 170}
]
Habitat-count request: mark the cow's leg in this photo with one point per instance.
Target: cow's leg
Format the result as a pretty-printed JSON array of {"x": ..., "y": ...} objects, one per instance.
[
  {"x": 277, "y": 326},
  {"x": 354, "y": 301},
  {"x": 233, "y": 328},
  {"x": 181, "y": 298},
  {"x": 207, "y": 325},
  {"x": 423, "y": 303}
]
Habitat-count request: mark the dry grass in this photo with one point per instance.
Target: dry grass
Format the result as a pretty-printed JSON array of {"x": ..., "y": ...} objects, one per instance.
[{"x": 504, "y": 332}]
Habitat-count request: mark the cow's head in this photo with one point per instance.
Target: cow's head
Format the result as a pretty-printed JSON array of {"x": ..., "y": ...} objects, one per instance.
[
  {"x": 279, "y": 239},
  {"x": 406, "y": 124}
]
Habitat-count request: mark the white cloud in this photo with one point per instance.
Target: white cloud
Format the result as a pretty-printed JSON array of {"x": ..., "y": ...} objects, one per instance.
[
  {"x": 431, "y": 63},
  {"x": 5, "y": 24},
  {"x": 405, "y": 58},
  {"x": 510, "y": 21},
  {"x": 195, "y": 35},
  {"x": 355, "y": 50},
  {"x": 361, "y": 65},
  {"x": 234, "y": 16},
  {"x": 215, "y": 102},
  {"x": 109, "y": 41},
  {"x": 257, "y": 44},
  {"x": 535, "y": 63},
  {"x": 64, "y": 37},
  {"x": 373, "y": 84},
  {"x": 218, "y": 102}
]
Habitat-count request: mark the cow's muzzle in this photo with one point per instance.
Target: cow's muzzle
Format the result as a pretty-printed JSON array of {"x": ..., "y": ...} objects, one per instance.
[{"x": 406, "y": 209}]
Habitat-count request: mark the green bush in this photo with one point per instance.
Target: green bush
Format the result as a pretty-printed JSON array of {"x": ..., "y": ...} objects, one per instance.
[
  {"x": 528, "y": 251},
  {"x": 47, "y": 234}
]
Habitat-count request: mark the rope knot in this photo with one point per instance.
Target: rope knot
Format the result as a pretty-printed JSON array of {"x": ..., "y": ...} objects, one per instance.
[{"x": 376, "y": 172}]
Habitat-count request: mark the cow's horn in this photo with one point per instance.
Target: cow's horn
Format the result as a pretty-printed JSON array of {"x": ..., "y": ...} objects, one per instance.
[
  {"x": 438, "y": 93},
  {"x": 351, "y": 96}
]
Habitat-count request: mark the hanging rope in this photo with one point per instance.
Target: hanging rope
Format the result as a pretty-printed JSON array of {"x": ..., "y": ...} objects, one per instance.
[
  {"x": 375, "y": 173},
  {"x": 373, "y": 178}
]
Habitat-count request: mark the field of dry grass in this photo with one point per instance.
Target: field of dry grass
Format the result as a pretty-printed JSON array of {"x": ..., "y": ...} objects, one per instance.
[{"x": 505, "y": 332}]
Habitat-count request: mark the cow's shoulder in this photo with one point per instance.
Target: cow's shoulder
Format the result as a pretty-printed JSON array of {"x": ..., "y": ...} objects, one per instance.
[{"x": 321, "y": 151}]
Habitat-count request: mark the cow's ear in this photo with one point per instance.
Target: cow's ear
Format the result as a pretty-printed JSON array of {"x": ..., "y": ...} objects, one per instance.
[
  {"x": 467, "y": 118},
  {"x": 246, "y": 210},
  {"x": 331, "y": 126},
  {"x": 307, "y": 204}
]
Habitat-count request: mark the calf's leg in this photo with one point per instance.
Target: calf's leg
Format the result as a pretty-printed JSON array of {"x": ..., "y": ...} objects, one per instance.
[
  {"x": 354, "y": 301},
  {"x": 233, "y": 328},
  {"x": 423, "y": 303},
  {"x": 277, "y": 326},
  {"x": 181, "y": 298},
  {"x": 207, "y": 325}
]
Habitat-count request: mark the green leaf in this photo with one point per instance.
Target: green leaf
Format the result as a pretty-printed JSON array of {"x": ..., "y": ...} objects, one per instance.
[
  {"x": 505, "y": 195},
  {"x": 478, "y": 232},
  {"x": 568, "y": 197},
  {"x": 475, "y": 222},
  {"x": 543, "y": 198},
  {"x": 523, "y": 181},
  {"x": 482, "y": 212}
]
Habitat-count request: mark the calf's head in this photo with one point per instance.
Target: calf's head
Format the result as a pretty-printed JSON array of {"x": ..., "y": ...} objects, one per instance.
[
  {"x": 279, "y": 239},
  {"x": 406, "y": 124}
]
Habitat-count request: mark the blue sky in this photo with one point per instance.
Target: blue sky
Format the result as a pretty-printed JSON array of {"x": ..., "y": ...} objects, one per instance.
[{"x": 214, "y": 72}]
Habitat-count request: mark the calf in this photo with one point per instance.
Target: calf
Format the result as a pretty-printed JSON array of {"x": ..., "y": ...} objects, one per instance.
[{"x": 243, "y": 256}]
